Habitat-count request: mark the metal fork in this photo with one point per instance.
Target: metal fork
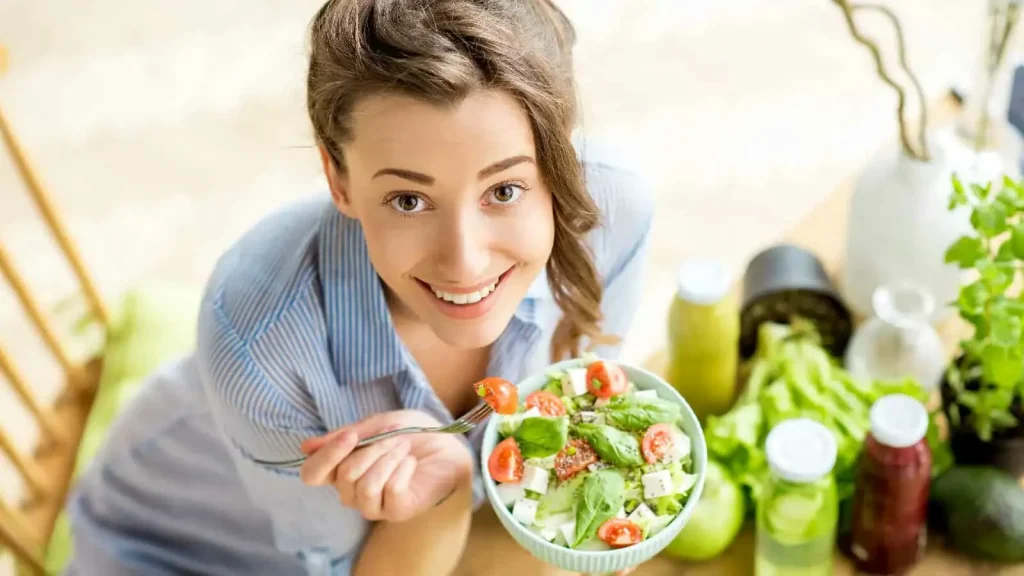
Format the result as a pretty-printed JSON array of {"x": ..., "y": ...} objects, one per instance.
[{"x": 467, "y": 422}]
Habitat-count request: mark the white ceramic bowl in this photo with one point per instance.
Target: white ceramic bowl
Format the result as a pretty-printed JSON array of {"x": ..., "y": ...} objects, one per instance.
[{"x": 595, "y": 562}]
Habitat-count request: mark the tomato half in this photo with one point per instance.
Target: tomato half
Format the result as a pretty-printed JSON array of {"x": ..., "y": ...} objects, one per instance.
[
  {"x": 657, "y": 442},
  {"x": 501, "y": 394},
  {"x": 505, "y": 463},
  {"x": 606, "y": 379},
  {"x": 547, "y": 403},
  {"x": 619, "y": 533},
  {"x": 574, "y": 458}
]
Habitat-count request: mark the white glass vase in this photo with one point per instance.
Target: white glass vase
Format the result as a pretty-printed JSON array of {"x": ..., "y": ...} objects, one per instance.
[{"x": 900, "y": 226}]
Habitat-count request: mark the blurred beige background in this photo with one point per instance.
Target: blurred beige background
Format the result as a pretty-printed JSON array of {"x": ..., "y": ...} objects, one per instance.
[{"x": 165, "y": 129}]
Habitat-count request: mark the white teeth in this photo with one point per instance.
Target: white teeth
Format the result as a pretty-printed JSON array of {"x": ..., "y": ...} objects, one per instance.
[{"x": 464, "y": 298}]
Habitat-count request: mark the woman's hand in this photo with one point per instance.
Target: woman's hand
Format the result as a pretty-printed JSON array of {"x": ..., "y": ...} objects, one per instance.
[{"x": 392, "y": 480}]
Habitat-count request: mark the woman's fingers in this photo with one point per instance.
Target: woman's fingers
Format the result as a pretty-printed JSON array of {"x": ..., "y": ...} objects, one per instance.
[
  {"x": 311, "y": 445},
  {"x": 353, "y": 468},
  {"x": 318, "y": 469},
  {"x": 396, "y": 488},
  {"x": 368, "y": 488}
]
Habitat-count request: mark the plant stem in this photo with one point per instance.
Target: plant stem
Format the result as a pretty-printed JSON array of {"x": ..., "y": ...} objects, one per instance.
[
  {"x": 848, "y": 8},
  {"x": 999, "y": 40}
]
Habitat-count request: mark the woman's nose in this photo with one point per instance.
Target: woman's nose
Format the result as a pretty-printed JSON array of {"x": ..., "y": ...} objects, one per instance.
[{"x": 463, "y": 249}]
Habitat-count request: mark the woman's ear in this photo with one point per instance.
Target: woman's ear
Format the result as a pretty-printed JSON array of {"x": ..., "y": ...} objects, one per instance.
[{"x": 338, "y": 183}]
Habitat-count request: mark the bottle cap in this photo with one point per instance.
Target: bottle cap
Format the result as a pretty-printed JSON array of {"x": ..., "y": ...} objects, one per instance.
[
  {"x": 898, "y": 421},
  {"x": 703, "y": 281},
  {"x": 800, "y": 450}
]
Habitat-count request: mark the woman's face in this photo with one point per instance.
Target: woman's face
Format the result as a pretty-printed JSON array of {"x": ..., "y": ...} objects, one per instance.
[{"x": 456, "y": 215}]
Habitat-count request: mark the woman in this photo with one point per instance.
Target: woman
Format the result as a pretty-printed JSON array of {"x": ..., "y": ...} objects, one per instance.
[{"x": 464, "y": 237}]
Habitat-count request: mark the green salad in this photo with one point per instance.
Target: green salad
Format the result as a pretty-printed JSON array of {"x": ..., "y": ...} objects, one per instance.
[{"x": 592, "y": 463}]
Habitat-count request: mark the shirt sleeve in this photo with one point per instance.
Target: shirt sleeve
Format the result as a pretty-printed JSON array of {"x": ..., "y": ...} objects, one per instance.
[
  {"x": 625, "y": 198},
  {"x": 265, "y": 411}
]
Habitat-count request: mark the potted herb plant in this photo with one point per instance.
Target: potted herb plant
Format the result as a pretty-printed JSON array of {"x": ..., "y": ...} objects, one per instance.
[{"x": 983, "y": 390}]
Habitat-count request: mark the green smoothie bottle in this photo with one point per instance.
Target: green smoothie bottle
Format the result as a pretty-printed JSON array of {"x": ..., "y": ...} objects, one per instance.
[
  {"x": 799, "y": 509},
  {"x": 703, "y": 333}
]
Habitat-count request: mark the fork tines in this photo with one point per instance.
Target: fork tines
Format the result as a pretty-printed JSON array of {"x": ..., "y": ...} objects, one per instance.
[{"x": 472, "y": 418}]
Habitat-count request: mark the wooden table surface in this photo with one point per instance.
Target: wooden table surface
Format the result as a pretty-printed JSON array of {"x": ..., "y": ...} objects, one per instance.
[{"x": 492, "y": 552}]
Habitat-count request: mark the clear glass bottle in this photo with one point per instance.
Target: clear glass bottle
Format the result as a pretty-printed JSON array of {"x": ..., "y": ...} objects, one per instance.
[
  {"x": 799, "y": 510},
  {"x": 982, "y": 124},
  {"x": 899, "y": 341},
  {"x": 703, "y": 333}
]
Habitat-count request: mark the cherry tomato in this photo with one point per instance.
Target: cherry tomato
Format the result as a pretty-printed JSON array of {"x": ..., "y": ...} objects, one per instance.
[
  {"x": 506, "y": 462},
  {"x": 606, "y": 379},
  {"x": 501, "y": 394},
  {"x": 619, "y": 533},
  {"x": 657, "y": 442},
  {"x": 547, "y": 403},
  {"x": 575, "y": 457}
]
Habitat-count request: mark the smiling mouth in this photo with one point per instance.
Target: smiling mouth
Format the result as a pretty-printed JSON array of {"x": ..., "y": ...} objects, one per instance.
[{"x": 466, "y": 298}]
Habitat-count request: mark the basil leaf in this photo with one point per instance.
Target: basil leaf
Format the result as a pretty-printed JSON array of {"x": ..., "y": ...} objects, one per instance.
[
  {"x": 638, "y": 414},
  {"x": 541, "y": 436},
  {"x": 612, "y": 445},
  {"x": 601, "y": 496}
]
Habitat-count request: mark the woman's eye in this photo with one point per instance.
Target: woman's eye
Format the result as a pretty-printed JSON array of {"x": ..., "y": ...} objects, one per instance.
[
  {"x": 506, "y": 194},
  {"x": 408, "y": 204}
]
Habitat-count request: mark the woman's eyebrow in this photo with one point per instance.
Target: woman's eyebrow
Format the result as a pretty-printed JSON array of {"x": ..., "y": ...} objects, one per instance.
[
  {"x": 416, "y": 177},
  {"x": 420, "y": 178},
  {"x": 503, "y": 165}
]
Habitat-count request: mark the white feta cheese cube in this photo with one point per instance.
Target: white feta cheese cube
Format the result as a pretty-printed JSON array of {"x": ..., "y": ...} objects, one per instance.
[
  {"x": 601, "y": 402},
  {"x": 657, "y": 484},
  {"x": 652, "y": 394},
  {"x": 569, "y": 532},
  {"x": 575, "y": 383},
  {"x": 599, "y": 420},
  {"x": 642, "y": 512},
  {"x": 510, "y": 492},
  {"x": 525, "y": 511},
  {"x": 621, "y": 513},
  {"x": 545, "y": 463},
  {"x": 588, "y": 415},
  {"x": 535, "y": 479},
  {"x": 680, "y": 447}
]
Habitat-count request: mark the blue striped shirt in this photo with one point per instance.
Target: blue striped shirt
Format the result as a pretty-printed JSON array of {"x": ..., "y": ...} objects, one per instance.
[{"x": 295, "y": 339}]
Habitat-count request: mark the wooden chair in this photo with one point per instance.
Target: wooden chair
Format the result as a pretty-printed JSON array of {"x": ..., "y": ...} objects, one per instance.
[{"x": 25, "y": 526}]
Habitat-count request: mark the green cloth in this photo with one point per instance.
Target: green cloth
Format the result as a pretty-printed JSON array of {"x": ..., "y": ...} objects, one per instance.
[{"x": 150, "y": 327}]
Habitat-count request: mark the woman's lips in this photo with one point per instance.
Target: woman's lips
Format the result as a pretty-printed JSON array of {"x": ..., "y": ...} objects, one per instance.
[{"x": 466, "y": 303}]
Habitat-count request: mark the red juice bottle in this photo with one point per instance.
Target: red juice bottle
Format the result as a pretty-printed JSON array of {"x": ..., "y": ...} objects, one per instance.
[{"x": 890, "y": 502}]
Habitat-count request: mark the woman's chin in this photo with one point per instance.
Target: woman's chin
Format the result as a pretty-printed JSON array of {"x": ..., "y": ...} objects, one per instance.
[{"x": 470, "y": 334}]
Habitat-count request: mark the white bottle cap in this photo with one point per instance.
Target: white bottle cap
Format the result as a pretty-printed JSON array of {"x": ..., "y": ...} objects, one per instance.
[
  {"x": 898, "y": 421},
  {"x": 703, "y": 281},
  {"x": 800, "y": 450}
]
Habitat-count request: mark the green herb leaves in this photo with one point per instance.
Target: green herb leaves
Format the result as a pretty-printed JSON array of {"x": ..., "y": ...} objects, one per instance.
[
  {"x": 991, "y": 374},
  {"x": 965, "y": 252},
  {"x": 639, "y": 414},
  {"x": 540, "y": 436},
  {"x": 611, "y": 444},
  {"x": 601, "y": 496}
]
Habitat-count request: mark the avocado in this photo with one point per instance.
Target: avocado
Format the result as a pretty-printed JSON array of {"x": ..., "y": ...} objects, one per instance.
[{"x": 981, "y": 509}]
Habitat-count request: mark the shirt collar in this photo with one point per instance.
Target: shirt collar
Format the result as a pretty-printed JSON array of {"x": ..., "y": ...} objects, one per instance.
[{"x": 362, "y": 339}]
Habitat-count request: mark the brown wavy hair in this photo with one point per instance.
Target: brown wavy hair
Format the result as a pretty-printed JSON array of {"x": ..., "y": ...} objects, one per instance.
[{"x": 440, "y": 51}]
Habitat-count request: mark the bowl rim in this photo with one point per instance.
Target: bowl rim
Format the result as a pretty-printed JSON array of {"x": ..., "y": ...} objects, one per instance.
[{"x": 697, "y": 446}]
